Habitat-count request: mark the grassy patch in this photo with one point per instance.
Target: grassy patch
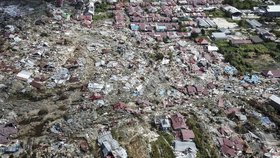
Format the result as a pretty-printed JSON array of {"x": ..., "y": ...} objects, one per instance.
[
  {"x": 102, "y": 16},
  {"x": 266, "y": 110},
  {"x": 202, "y": 140},
  {"x": 241, "y": 56},
  {"x": 137, "y": 148},
  {"x": 168, "y": 137},
  {"x": 242, "y": 23},
  {"x": 240, "y": 4},
  {"x": 217, "y": 13},
  {"x": 161, "y": 149},
  {"x": 276, "y": 33},
  {"x": 101, "y": 7}
]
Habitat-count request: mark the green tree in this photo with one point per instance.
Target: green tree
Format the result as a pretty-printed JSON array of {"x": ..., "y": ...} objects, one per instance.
[
  {"x": 202, "y": 31},
  {"x": 194, "y": 35}
]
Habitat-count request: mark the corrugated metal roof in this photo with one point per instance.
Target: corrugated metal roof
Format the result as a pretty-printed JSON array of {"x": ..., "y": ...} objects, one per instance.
[
  {"x": 275, "y": 99},
  {"x": 182, "y": 146},
  {"x": 210, "y": 22},
  {"x": 273, "y": 8},
  {"x": 219, "y": 35},
  {"x": 231, "y": 9},
  {"x": 254, "y": 23},
  {"x": 203, "y": 23}
]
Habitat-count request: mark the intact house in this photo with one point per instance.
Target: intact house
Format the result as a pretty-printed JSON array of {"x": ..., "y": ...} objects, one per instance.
[
  {"x": 219, "y": 36},
  {"x": 225, "y": 30},
  {"x": 253, "y": 23},
  {"x": 233, "y": 12},
  {"x": 180, "y": 128},
  {"x": 205, "y": 23},
  {"x": 201, "y": 41},
  {"x": 266, "y": 35},
  {"x": 272, "y": 11},
  {"x": 164, "y": 124},
  {"x": 256, "y": 39},
  {"x": 178, "y": 122},
  {"x": 231, "y": 146},
  {"x": 271, "y": 73},
  {"x": 236, "y": 42},
  {"x": 189, "y": 148},
  {"x": 186, "y": 135}
]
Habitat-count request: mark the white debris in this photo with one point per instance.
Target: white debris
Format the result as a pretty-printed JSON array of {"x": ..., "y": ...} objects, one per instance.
[
  {"x": 24, "y": 75},
  {"x": 165, "y": 61},
  {"x": 61, "y": 76},
  {"x": 95, "y": 87}
]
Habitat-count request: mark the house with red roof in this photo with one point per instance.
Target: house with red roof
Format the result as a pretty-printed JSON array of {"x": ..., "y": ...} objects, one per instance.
[
  {"x": 178, "y": 122},
  {"x": 187, "y": 134},
  {"x": 227, "y": 151},
  {"x": 230, "y": 146},
  {"x": 201, "y": 41},
  {"x": 271, "y": 73}
]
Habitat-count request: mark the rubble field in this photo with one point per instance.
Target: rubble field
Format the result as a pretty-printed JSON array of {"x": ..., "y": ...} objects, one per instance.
[{"x": 74, "y": 83}]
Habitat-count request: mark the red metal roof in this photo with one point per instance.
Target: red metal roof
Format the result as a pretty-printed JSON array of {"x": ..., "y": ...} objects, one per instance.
[
  {"x": 228, "y": 151},
  {"x": 187, "y": 134},
  {"x": 178, "y": 122},
  {"x": 272, "y": 73},
  {"x": 228, "y": 142}
]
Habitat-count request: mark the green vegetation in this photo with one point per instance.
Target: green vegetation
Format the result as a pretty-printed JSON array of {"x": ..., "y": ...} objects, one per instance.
[
  {"x": 182, "y": 26},
  {"x": 161, "y": 148},
  {"x": 203, "y": 32},
  {"x": 101, "y": 16},
  {"x": 156, "y": 56},
  {"x": 242, "y": 23},
  {"x": 217, "y": 13},
  {"x": 202, "y": 140},
  {"x": 277, "y": 21},
  {"x": 273, "y": 50},
  {"x": 137, "y": 148},
  {"x": 266, "y": 110},
  {"x": 101, "y": 7},
  {"x": 240, "y": 56},
  {"x": 243, "y": 4},
  {"x": 194, "y": 35},
  {"x": 276, "y": 33},
  {"x": 168, "y": 137}
]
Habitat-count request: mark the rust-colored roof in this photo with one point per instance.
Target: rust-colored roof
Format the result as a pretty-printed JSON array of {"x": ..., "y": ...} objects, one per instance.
[
  {"x": 201, "y": 41},
  {"x": 228, "y": 151},
  {"x": 187, "y": 134},
  {"x": 272, "y": 73},
  {"x": 36, "y": 84},
  {"x": 228, "y": 142},
  {"x": 178, "y": 122}
]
